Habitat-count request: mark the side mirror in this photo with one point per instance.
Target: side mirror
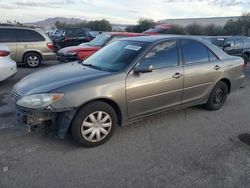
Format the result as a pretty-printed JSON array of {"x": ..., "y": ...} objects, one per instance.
[{"x": 143, "y": 69}]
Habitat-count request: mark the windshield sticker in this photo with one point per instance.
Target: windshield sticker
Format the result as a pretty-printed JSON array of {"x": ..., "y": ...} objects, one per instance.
[{"x": 133, "y": 47}]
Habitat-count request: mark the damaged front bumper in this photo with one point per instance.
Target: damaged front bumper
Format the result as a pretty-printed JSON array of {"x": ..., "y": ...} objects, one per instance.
[{"x": 59, "y": 121}]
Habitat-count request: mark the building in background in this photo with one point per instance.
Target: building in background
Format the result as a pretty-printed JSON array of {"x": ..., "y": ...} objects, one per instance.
[{"x": 219, "y": 21}]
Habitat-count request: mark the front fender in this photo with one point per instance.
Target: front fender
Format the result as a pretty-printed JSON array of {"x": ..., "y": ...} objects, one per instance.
[{"x": 78, "y": 94}]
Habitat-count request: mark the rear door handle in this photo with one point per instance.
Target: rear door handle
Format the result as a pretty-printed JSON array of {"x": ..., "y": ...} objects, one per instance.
[
  {"x": 217, "y": 67},
  {"x": 177, "y": 75}
]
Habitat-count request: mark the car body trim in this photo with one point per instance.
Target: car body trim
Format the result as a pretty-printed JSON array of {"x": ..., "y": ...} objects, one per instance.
[
  {"x": 174, "y": 91},
  {"x": 200, "y": 85}
]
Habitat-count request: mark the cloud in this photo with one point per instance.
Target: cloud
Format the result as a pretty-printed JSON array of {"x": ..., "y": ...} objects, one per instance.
[
  {"x": 133, "y": 12},
  {"x": 47, "y": 3},
  {"x": 221, "y": 3},
  {"x": 8, "y": 6},
  {"x": 119, "y": 11}
]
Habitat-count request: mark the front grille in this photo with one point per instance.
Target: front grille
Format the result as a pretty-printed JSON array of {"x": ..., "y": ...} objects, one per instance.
[{"x": 16, "y": 96}]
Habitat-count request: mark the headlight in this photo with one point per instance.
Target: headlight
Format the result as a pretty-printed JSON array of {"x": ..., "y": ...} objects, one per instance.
[{"x": 39, "y": 100}]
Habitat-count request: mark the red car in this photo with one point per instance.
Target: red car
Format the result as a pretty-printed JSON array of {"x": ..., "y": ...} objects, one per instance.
[
  {"x": 85, "y": 50},
  {"x": 158, "y": 29}
]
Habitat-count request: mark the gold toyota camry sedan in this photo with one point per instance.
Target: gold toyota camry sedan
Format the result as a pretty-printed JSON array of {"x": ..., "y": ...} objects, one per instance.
[{"x": 125, "y": 81}]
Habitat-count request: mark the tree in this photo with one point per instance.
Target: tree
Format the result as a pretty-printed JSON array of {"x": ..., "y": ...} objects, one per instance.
[
  {"x": 100, "y": 25},
  {"x": 244, "y": 21},
  {"x": 130, "y": 28},
  {"x": 97, "y": 25},
  {"x": 176, "y": 29},
  {"x": 194, "y": 29},
  {"x": 233, "y": 27},
  {"x": 213, "y": 30},
  {"x": 60, "y": 25},
  {"x": 143, "y": 25}
]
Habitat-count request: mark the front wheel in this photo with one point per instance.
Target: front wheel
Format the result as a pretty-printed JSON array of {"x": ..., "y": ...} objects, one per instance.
[
  {"x": 218, "y": 96},
  {"x": 94, "y": 124}
]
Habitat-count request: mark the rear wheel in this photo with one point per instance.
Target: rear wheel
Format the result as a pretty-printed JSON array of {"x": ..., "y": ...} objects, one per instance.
[
  {"x": 94, "y": 124},
  {"x": 218, "y": 96},
  {"x": 32, "y": 59}
]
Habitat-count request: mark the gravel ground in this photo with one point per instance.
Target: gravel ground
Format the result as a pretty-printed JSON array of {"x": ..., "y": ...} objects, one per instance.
[{"x": 187, "y": 148}]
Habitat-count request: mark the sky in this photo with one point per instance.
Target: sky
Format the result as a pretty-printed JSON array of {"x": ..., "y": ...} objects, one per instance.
[{"x": 119, "y": 11}]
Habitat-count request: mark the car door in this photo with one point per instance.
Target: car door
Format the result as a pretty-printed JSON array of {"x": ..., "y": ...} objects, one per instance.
[
  {"x": 159, "y": 89},
  {"x": 202, "y": 68},
  {"x": 8, "y": 38},
  {"x": 24, "y": 42}
]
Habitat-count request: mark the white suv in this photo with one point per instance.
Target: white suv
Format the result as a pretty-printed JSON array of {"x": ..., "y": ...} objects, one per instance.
[{"x": 7, "y": 65}]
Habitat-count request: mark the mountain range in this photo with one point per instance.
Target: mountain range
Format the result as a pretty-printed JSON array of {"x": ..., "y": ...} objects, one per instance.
[{"x": 50, "y": 22}]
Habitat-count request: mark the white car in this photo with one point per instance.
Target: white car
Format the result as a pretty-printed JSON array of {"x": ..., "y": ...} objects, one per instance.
[{"x": 8, "y": 67}]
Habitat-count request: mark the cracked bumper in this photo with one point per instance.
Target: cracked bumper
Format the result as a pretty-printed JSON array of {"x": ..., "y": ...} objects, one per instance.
[{"x": 59, "y": 121}]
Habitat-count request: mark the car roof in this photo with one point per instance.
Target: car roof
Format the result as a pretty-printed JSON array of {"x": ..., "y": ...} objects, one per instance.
[
  {"x": 227, "y": 37},
  {"x": 156, "y": 38},
  {"x": 125, "y": 34},
  {"x": 16, "y": 27}
]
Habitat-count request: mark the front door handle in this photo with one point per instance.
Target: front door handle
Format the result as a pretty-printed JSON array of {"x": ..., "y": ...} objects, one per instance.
[
  {"x": 217, "y": 67},
  {"x": 177, "y": 75}
]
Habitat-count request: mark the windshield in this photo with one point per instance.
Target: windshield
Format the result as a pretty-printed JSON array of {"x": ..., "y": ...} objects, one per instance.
[
  {"x": 116, "y": 56},
  {"x": 100, "y": 40}
]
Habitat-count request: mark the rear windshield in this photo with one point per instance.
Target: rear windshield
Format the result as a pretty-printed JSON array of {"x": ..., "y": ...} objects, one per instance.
[{"x": 100, "y": 40}]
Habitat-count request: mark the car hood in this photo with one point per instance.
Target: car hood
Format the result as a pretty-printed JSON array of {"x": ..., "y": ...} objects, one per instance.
[
  {"x": 55, "y": 77},
  {"x": 78, "y": 49}
]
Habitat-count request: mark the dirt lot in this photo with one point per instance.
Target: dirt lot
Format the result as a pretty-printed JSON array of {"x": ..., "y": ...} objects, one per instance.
[{"x": 187, "y": 148}]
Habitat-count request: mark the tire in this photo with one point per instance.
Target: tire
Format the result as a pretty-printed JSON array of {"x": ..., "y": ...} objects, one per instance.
[
  {"x": 32, "y": 60},
  {"x": 93, "y": 118},
  {"x": 217, "y": 97}
]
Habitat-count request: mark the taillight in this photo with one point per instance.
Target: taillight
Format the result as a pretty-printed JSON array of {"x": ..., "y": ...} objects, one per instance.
[
  {"x": 50, "y": 46},
  {"x": 4, "y": 53}
]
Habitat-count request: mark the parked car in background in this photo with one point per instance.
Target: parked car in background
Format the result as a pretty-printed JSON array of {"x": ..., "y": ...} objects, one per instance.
[
  {"x": 125, "y": 81},
  {"x": 233, "y": 45},
  {"x": 85, "y": 50},
  {"x": 71, "y": 37},
  {"x": 7, "y": 65},
  {"x": 29, "y": 46},
  {"x": 158, "y": 29},
  {"x": 95, "y": 33}
]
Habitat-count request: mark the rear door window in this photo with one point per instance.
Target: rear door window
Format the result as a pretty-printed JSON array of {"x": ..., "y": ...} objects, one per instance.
[
  {"x": 194, "y": 52},
  {"x": 29, "y": 36},
  {"x": 7, "y": 35}
]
